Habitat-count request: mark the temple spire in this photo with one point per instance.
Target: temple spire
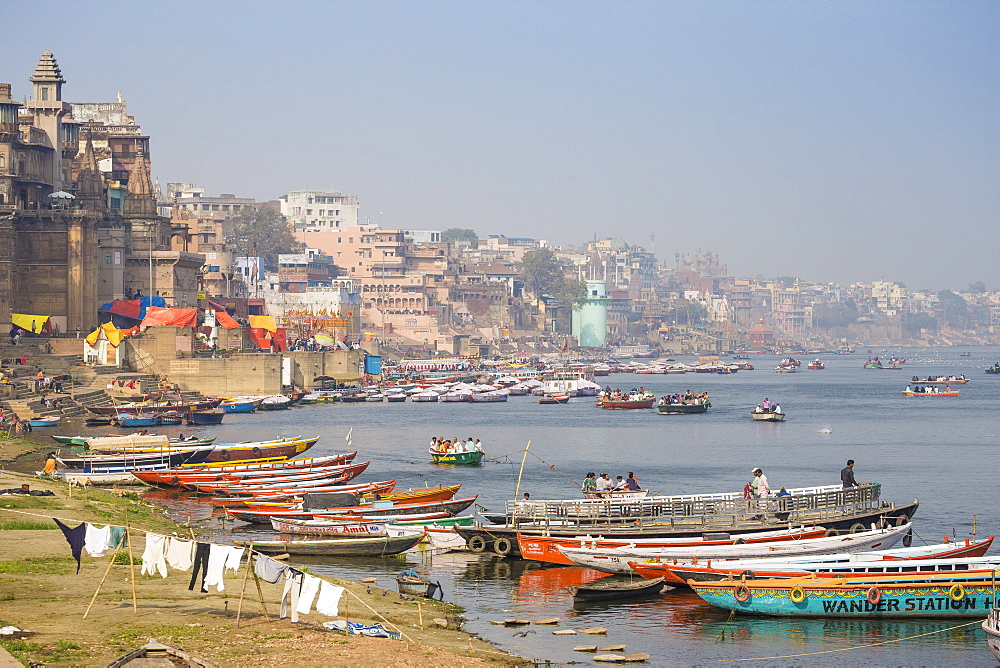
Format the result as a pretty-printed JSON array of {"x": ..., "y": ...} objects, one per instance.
[
  {"x": 89, "y": 183},
  {"x": 139, "y": 199}
]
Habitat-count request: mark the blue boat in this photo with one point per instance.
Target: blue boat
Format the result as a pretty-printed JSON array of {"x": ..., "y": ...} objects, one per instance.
[
  {"x": 240, "y": 405},
  {"x": 43, "y": 422},
  {"x": 920, "y": 595},
  {"x": 130, "y": 420}
]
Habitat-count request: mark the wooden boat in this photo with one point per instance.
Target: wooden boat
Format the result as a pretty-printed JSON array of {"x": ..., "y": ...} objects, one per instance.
[
  {"x": 278, "y": 448},
  {"x": 993, "y": 370},
  {"x": 155, "y": 653},
  {"x": 240, "y": 405},
  {"x": 369, "y": 511},
  {"x": 135, "y": 420},
  {"x": 767, "y": 416},
  {"x": 140, "y": 443},
  {"x": 44, "y": 421},
  {"x": 820, "y": 569},
  {"x": 170, "y": 418},
  {"x": 395, "y": 397},
  {"x": 301, "y": 482},
  {"x": 133, "y": 461},
  {"x": 626, "y": 404},
  {"x": 366, "y": 495},
  {"x": 679, "y": 572},
  {"x": 931, "y": 391},
  {"x": 206, "y": 416},
  {"x": 410, "y": 583},
  {"x": 683, "y": 408},
  {"x": 991, "y": 625},
  {"x": 613, "y": 589},
  {"x": 616, "y": 560},
  {"x": 241, "y": 499},
  {"x": 328, "y": 529},
  {"x": 940, "y": 380},
  {"x": 546, "y": 548},
  {"x": 339, "y": 547},
  {"x": 154, "y": 405},
  {"x": 911, "y": 596},
  {"x": 172, "y": 478},
  {"x": 277, "y": 402},
  {"x": 471, "y": 458},
  {"x": 554, "y": 399},
  {"x": 462, "y": 520}
]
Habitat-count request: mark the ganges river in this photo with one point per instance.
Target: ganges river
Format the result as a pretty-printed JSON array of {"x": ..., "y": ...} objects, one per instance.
[{"x": 942, "y": 451}]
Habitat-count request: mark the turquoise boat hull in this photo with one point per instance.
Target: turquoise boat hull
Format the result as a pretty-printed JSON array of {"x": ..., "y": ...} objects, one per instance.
[{"x": 910, "y": 601}]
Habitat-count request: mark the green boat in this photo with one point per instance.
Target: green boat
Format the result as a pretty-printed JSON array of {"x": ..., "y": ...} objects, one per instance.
[
  {"x": 465, "y": 521},
  {"x": 82, "y": 440},
  {"x": 460, "y": 458}
]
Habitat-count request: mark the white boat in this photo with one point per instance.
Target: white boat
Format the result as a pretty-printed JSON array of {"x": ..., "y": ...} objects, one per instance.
[
  {"x": 442, "y": 538},
  {"x": 615, "y": 560},
  {"x": 488, "y": 397},
  {"x": 992, "y": 627},
  {"x": 456, "y": 396},
  {"x": 424, "y": 396},
  {"x": 767, "y": 416}
]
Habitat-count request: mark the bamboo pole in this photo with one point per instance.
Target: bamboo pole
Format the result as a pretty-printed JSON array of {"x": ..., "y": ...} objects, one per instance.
[
  {"x": 246, "y": 576},
  {"x": 420, "y": 614},
  {"x": 101, "y": 583},
  {"x": 517, "y": 489},
  {"x": 131, "y": 561}
]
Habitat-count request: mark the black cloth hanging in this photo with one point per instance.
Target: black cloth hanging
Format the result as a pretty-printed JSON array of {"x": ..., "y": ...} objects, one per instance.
[{"x": 75, "y": 537}]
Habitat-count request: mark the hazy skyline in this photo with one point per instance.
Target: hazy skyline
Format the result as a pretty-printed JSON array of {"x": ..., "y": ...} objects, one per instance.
[{"x": 835, "y": 141}]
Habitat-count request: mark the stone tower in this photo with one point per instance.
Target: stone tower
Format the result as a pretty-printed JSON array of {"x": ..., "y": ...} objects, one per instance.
[
  {"x": 89, "y": 183},
  {"x": 49, "y": 110}
]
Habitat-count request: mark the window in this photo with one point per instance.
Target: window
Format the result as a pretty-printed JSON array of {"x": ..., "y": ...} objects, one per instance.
[
  {"x": 44, "y": 90},
  {"x": 3, "y": 161},
  {"x": 107, "y": 259},
  {"x": 309, "y": 212},
  {"x": 118, "y": 257}
]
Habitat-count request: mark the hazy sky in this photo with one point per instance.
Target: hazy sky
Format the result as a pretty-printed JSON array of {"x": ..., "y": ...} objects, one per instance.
[{"x": 835, "y": 141}]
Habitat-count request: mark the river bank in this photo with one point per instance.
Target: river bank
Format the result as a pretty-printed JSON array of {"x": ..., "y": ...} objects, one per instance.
[{"x": 43, "y": 595}]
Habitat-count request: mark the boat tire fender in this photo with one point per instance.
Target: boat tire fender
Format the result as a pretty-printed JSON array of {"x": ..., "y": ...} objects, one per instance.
[
  {"x": 831, "y": 532},
  {"x": 873, "y": 595},
  {"x": 901, "y": 520},
  {"x": 742, "y": 593},
  {"x": 477, "y": 544},
  {"x": 797, "y": 594},
  {"x": 740, "y": 541},
  {"x": 858, "y": 527},
  {"x": 256, "y": 451},
  {"x": 748, "y": 575},
  {"x": 908, "y": 539},
  {"x": 502, "y": 546},
  {"x": 957, "y": 592}
]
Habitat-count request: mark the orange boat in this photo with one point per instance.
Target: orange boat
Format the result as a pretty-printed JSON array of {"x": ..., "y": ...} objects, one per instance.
[{"x": 409, "y": 496}]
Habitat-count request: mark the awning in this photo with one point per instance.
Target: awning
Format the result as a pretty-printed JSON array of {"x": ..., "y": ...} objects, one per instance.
[
  {"x": 263, "y": 322},
  {"x": 29, "y": 323},
  {"x": 170, "y": 317},
  {"x": 111, "y": 333},
  {"x": 226, "y": 320}
]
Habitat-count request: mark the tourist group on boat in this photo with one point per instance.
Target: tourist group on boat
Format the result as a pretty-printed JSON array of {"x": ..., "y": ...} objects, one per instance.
[
  {"x": 598, "y": 486},
  {"x": 442, "y": 445},
  {"x": 689, "y": 397}
]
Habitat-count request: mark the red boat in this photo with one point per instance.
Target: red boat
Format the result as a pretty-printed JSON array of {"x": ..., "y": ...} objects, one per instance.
[
  {"x": 545, "y": 548},
  {"x": 554, "y": 399},
  {"x": 316, "y": 479},
  {"x": 625, "y": 405},
  {"x": 453, "y": 507},
  {"x": 361, "y": 489},
  {"x": 816, "y": 365},
  {"x": 171, "y": 478}
]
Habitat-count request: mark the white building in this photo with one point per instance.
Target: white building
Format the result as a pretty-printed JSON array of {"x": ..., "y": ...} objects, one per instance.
[{"x": 319, "y": 211}]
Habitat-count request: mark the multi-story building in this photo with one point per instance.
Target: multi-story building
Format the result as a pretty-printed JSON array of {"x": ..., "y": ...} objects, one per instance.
[
  {"x": 300, "y": 271},
  {"x": 191, "y": 198},
  {"x": 319, "y": 211}
]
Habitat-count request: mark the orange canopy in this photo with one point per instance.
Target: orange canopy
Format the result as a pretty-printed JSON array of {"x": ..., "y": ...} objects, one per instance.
[
  {"x": 226, "y": 320},
  {"x": 263, "y": 322},
  {"x": 170, "y": 317}
]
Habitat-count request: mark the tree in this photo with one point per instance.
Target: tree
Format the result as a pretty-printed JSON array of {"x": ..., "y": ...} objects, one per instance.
[
  {"x": 259, "y": 232},
  {"x": 835, "y": 314},
  {"x": 572, "y": 293},
  {"x": 912, "y": 323},
  {"x": 541, "y": 272},
  {"x": 978, "y": 287},
  {"x": 954, "y": 309},
  {"x": 456, "y": 234}
]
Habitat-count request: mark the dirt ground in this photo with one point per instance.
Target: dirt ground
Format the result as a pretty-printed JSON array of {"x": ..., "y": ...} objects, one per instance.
[{"x": 42, "y": 594}]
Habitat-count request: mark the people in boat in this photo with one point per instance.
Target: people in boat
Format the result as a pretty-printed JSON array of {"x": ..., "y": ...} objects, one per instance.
[
  {"x": 619, "y": 485},
  {"x": 775, "y": 408},
  {"x": 604, "y": 484},
  {"x": 847, "y": 475},
  {"x": 590, "y": 483},
  {"x": 631, "y": 483},
  {"x": 766, "y": 404}
]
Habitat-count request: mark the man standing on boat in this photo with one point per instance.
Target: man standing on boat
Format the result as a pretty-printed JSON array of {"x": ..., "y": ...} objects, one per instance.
[{"x": 847, "y": 475}]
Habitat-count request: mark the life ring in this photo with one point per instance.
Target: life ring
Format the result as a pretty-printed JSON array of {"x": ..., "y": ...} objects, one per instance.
[
  {"x": 831, "y": 532},
  {"x": 502, "y": 546},
  {"x": 742, "y": 593},
  {"x": 797, "y": 594},
  {"x": 908, "y": 539},
  {"x": 957, "y": 592},
  {"x": 858, "y": 527},
  {"x": 874, "y": 595},
  {"x": 477, "y": 544},
  {"x": 256, "y": 451}
]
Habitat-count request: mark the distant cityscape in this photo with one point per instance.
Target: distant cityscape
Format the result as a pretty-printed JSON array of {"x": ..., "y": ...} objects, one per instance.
[{"x": 83, "y": 223}]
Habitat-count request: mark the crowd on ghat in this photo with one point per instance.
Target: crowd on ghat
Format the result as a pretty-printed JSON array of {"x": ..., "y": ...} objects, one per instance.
[{"x": 443, "y": 445}]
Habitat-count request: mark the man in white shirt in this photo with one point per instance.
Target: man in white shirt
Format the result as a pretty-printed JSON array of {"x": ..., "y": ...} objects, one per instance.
[{"x": 604, "y": 483}]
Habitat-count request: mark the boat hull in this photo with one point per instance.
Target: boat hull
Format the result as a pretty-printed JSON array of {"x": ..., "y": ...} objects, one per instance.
[
  {"x": 458, "y": 458},
  {"x": 767, "y": 417},
  {"x": 613, "y": 589},
  {"x": 344, "y": 547},
  {"x": 627, "y": 405},
  {"x": 682, "y": 409},
  {"x": 236, "y": 452}
]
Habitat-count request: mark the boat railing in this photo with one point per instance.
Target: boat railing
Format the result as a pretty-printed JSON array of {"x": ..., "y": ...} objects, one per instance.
[{"x": 704, "y": 510}]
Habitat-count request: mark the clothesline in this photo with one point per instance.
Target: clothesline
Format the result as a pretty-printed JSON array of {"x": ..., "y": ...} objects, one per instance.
[{"x": 212, "y": 563}]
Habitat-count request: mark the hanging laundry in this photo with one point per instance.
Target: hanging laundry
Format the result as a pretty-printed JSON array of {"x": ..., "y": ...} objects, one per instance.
[
  {"x": 290, "y": 594},
  {"x": 219, "y": 558},
  {"x": 201, "y": 554},
  {"x": 153, "y": 557},
  {"x": 329, "y": 599},
  {"x": 180, "y": 553},
  {"x": 118, "y": 538},
  {"x": 310, "y": 585},
  {"x": 96, "y": 540},
  {"x": 76, "y": 537},
  {"x": 268, "y": 569}
]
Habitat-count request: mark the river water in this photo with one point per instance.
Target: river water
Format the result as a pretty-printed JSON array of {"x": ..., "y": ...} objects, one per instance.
[{"x": 941, "y": 451}]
